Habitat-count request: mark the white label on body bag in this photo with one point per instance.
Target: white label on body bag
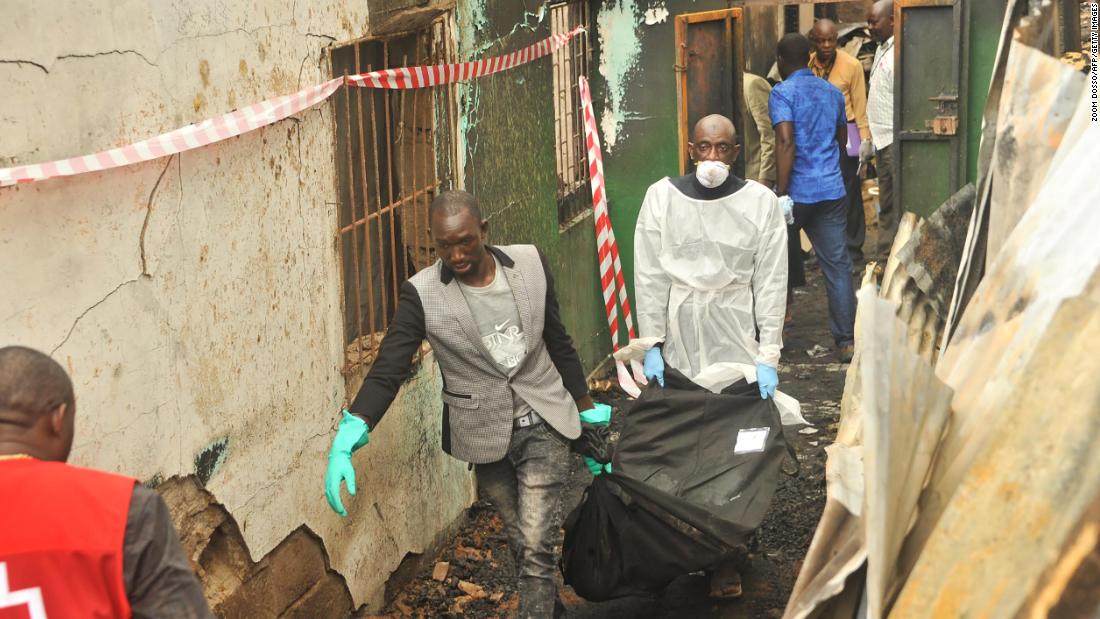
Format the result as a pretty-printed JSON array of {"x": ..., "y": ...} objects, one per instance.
[{"x": 751, "y": 440}]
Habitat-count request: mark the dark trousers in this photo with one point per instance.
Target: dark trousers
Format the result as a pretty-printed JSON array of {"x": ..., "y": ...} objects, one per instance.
[
  {"x": 889, "y": 213},
  {"x": 856, "y": 232},
  {"x": 525, "y": 488},
  {"x": 824, "y": 222}
]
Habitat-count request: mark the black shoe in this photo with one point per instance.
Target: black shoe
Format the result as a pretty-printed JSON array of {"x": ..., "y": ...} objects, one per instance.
[{"x": 846, "y": 353}]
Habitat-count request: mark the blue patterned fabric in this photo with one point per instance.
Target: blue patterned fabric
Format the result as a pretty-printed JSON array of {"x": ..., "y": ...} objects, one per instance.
[{"x": 816, "y": 108}]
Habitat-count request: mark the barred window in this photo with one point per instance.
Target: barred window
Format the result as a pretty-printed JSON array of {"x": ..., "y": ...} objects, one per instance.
[
  {"x": 393, "y": 147},
  {"x": 570, "y": 61}
]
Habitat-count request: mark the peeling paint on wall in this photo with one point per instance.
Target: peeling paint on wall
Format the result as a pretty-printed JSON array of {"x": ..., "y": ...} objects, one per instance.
[
  {"x": 658, "y": 14},
  {"x": 474, "y": 44},
  {"x": 617, "y": 25},
  {"x": 470, "y": 19}
]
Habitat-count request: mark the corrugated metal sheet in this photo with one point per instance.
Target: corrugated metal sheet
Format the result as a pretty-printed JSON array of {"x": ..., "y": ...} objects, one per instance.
[{"x": 988, "y": 506}]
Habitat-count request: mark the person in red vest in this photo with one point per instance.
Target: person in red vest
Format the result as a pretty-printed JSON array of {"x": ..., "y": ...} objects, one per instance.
[{"x": 76, "y": 542}]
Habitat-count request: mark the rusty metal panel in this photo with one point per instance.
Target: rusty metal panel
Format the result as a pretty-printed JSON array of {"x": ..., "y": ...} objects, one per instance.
[
  {"x": 1020, "y": 451},
  {"x": 710, "y": 62},
  {"x": 1021, "y": 499},
  {"x": 932, "y": 258},
  {"x": 1045, "y": 93},
  {"x": 905, "y": 409},
  {"x": 893, "y": 415},
  {"x": 1031, "y": 294}
]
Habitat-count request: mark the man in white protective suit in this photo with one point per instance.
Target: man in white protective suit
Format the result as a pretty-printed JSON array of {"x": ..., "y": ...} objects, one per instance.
[{"x": 710, "y": 260}]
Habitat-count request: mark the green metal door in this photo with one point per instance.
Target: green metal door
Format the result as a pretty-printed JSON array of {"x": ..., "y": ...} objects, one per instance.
[{"x": 929, "y": 114}]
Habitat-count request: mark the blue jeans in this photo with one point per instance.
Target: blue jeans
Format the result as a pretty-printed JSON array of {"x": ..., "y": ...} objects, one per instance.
[{"x": 826, "y": 224}]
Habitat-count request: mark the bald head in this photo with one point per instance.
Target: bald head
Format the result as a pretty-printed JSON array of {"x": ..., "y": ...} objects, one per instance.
[
  {"x": 714, "y": 123},
  {"x": 823, "y": 36},
  {"x": 792, "y": 53},
  {"x": 36, "y": 404},
  {"x": 880, "y": 20},
  {"x": 714, "y": 138},
  {"x": 824, "y": 28}
]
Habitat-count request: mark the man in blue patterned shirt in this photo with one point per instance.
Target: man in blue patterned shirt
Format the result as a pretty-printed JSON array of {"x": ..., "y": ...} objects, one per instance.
[{"x": 810, "y": 133}]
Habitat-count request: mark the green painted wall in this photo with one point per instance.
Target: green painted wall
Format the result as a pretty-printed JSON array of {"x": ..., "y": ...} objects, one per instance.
[
  {"x": 985, "y": 19},
  {"x": 634, "y": 91},
  {"x": 507, "y": 124}
]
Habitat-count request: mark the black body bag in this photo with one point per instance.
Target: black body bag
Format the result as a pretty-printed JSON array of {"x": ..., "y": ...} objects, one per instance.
[{"x": 694, "y": 474}]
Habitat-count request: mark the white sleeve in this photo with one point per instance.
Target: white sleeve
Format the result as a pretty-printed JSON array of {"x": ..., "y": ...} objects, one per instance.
[
  {"x": 769, "y": 283},
  {"x": 651, "y": 283}
]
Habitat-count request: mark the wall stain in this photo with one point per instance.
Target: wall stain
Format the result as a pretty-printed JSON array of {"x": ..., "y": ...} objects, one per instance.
[{"x": 204, "y": 72}]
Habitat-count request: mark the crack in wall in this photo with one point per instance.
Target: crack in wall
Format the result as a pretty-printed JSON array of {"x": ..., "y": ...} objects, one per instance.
[
  {"x": 214, "y": 35},
  {"x": 112, "y": 52},
  {"x": 100, "y": 440},
  {"x": 244, "y": 505},
  {"x": 148, "y": 216},
  {"x": 85, "y": 313},
  {"x": 26, "y": 62}
]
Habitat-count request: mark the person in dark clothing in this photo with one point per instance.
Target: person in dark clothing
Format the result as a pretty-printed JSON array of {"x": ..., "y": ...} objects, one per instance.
[
  {"x": 76, "y": 542},
  {"x": 513, "y": 384}
]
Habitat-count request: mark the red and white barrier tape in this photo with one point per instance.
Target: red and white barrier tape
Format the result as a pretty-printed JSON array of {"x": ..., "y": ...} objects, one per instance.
[
  {"x": 422, "y": 77},
  {"x": 273, "y": 110},
  {"x": 611, "y": 269},
  {"x": 186, "y": 138}
]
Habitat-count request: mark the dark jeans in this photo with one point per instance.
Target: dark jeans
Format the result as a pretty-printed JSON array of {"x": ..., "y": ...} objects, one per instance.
[
  {"x": 857, "y": 220},
  {"x": 889, "y": 215},
  {"x": 825, "y": 223},
  {"x": 525, "y": 488}
]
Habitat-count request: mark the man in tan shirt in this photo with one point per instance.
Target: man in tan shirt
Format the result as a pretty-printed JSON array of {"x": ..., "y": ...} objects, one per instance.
[
  {"x": 846, "y": 73},
  {"x": 759, "y": 139}
]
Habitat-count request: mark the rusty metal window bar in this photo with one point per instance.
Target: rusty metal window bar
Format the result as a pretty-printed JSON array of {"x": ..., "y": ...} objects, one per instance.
[
  {"x": 395, "y": 150},
  {"x": 570, "y": 61}
]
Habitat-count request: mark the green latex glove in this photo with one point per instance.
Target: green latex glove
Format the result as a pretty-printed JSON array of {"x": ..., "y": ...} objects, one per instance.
[
  {"x": 595, "y": 467},
  {"x": 351, "y": 434},
  {"x": 598, "y": 416}
]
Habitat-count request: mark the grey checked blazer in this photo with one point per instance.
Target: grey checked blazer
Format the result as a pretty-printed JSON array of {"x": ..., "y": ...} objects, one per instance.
[{"x": 477, "y": 394}]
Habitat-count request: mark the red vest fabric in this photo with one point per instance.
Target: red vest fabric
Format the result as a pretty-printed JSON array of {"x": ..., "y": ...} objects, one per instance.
[{"x": 61, "y": 537}]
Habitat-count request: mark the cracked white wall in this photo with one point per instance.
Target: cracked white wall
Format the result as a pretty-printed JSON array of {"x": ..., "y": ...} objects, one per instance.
[{"x": 198, "y": 297}]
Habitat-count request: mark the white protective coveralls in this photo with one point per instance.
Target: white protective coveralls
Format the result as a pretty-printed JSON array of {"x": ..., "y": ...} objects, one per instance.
[{"x": 709, "y": 274}]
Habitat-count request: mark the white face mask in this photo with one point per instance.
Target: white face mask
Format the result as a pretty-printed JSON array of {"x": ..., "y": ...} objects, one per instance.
[{"x": 711, "y": 173}]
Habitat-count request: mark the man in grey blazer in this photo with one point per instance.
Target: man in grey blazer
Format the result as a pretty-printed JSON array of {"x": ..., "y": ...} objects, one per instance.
[{"x": 513, "y": 383}]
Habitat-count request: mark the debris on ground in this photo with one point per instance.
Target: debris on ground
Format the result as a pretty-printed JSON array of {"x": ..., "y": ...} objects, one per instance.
[
  {"x": 817, "y": 351},
  {"x": 440, "y": 571}
]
